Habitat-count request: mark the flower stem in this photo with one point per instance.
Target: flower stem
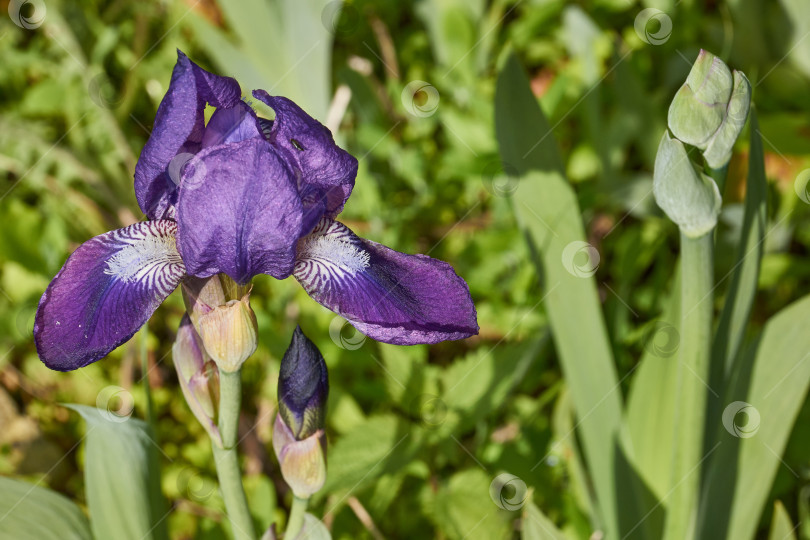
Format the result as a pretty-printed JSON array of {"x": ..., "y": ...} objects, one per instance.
[
  {"x": 227, "y": 459},
  {"x": 143, "y": 352},
  {"x": 296, "y": 521},
  {"x": 694, "y": 355}
]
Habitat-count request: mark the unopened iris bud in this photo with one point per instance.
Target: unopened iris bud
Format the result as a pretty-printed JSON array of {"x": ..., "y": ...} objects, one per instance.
[
  {"x": 198, "y": 376},
  {"x": 710, "y": 109},
  {"x": 299, "y": 440},
  {"x": 303, "y": 462},
  {"x": 221, "y": 314},
  {"x": 687, "y": 196}
]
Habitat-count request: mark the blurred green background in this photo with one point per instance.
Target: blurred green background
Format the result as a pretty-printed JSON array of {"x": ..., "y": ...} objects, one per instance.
[{"x": 416, "y": 434}]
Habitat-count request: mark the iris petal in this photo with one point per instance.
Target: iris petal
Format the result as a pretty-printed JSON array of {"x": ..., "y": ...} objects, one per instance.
[
  {"x": 389, "y": 296},
  {"x": 178, "y": 128},
  {"x": 327, "y": 171},
  {"x": 107, "y": 289},
  {"x": 238, "y": 212},
  {"x": 231, "y": 125}
]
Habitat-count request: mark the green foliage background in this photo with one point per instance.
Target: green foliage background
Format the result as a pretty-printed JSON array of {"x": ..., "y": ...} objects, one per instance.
[{"x": 416, "y": 434}]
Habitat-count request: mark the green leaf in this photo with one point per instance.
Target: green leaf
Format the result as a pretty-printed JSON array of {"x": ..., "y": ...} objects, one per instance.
[
  {"x": 452, "y": 32},
  {"x": 546, "y": 208},
  {"x": 745, "y": 275},
  {"x": 480, "y": 382},
  {"x": 525, "y": 140},
  {"x": 798, "y": 50},
  {"x": 462, "y": 507},
  {"x": 568, "y": 450},
  {"x": 536, "y": 526},
  {"x": 381, "y": 444},
  {"x": 651, "y": 437},
  {"x": 781, "y": 526},
  {"x": 121, "y": 476},
  {"x": 768, "y": 388},
  {"x": 299, "y": 64},
  {"x": 743, "y": 285},
  {"x": 30, "y": 512}
]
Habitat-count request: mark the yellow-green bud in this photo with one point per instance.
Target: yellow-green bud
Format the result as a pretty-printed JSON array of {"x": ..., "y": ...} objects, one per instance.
[
  {"x": 229, "y": 333},
  {"x": 226, "y": 324},
  {"x": 303, "y": 463}
]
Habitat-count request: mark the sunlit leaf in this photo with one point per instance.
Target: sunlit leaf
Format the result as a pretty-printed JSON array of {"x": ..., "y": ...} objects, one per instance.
[
  {"x": 535, "y": 525},
  {"x": 121, "y": 476},
  {"x": 781, "y": 526},
  {"x": 547, "y": 210},
  {"x": 463, "y": 508},
  {"x": 769, "y": 385},
  {"x": 30, "y": 512}
]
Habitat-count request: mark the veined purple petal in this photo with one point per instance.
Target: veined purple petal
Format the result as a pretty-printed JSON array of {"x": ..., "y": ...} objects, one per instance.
[
  {"x": 107, "y": 290},
  {"x": 327, "y": 171},
  {"x": 178, "y": 128},
  {"x": 238, "y": 212},
  {"x": 231, "y": 125},
  {"x": 389, "y": 296}
]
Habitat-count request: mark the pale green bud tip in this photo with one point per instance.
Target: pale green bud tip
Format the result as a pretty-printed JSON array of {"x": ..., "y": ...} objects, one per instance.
[
  {"x": 302, "y": 463},
  {"x": 198, "y": 376},
  {"x": 710, "y": 109},
  {"x": 688, "y": 197}
]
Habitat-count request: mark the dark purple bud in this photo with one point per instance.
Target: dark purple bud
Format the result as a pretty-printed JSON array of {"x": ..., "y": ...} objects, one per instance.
[{"x": 303, "y": 387}]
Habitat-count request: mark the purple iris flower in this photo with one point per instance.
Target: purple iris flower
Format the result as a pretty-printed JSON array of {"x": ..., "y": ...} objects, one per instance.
[{"x": 243, "y": 196}]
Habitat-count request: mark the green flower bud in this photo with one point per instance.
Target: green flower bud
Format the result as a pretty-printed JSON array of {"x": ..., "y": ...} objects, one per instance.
[
  {"x": 718, "y": 151},
  {"x": 303, "y": 462},
  {"x": 687, "y": 196},
  {"x": 198, "y": 376},
  {"x": 710, "y": 109}
]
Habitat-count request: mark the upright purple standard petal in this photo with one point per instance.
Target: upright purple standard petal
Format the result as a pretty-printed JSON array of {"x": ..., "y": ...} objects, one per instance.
[
  {"x": 178, "y": 128},
  {"x": 238, "y": 212},
  {"x": 327, "y": 171},
  {"x": 387, "y": 295},
  {"x": 105, "y": 292},
  {"x": 231, "y": 125}
]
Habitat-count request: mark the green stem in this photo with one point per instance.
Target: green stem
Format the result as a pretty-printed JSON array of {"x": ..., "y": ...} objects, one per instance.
[
  {"x": 296, "y": 521},
  {"x": 230, "y": 401},
  {"x": 697, "y": 269},
  {"x": 227, "y": 459},
  {"x": 143, "y": 351}
]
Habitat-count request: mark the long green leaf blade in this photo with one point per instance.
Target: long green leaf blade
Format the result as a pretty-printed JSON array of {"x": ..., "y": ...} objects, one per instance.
[
  {"x": 769, "y": 385},
  {"x": 546, "y": 207},
  {"x": 121, "y": 477},
  {"x": 743, "y": 285},
  {"x": 29, "y": 512}
]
